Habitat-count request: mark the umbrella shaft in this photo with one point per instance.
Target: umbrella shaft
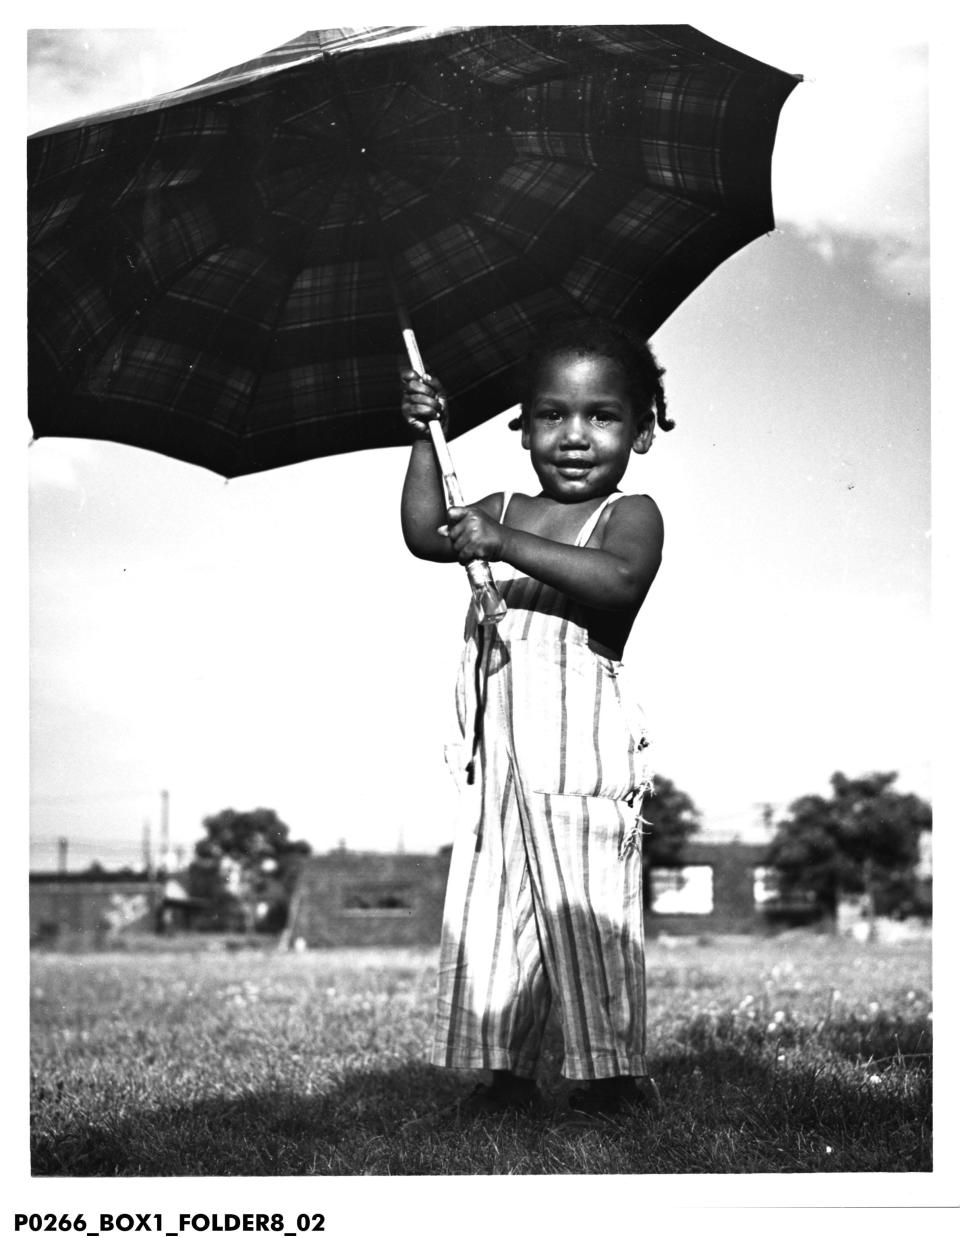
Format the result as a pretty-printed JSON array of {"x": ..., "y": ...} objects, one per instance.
[
  {"x": 451, "y": 483},
  {"x": 488, "y": 604}
]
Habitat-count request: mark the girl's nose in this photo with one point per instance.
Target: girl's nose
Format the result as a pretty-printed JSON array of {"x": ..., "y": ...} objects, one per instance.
[{"x": 574, "y": 431}]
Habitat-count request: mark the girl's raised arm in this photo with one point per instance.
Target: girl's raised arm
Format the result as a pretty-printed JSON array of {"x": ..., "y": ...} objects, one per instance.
[
  {"x": 423, "y": 506},
  {"x": 614, "y": 577}
]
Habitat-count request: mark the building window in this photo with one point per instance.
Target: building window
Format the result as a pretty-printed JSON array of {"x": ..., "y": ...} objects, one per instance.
[
  {"x": 682, "y": 891},
  {"x": 386, "y": 900},
  {"x": 766, "y": 886}
]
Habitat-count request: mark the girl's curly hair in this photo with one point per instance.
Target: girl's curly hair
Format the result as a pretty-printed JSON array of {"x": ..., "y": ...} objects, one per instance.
[{"x": 600, "y": 338}]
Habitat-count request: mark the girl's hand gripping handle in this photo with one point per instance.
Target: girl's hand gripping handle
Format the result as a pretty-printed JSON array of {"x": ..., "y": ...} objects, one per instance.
[{"x": 488, "y": 604}]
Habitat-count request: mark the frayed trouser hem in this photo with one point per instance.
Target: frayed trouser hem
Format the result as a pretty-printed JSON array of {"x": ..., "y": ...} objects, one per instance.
[
  {"x": 607, "y": 1067},
  {"x": 482, "y": 1059}
]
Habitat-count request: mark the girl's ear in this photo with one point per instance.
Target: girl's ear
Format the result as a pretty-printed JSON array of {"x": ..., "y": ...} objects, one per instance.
[
  {"x": 644, "y": 438},
  {"x": 524, "y": 432}
]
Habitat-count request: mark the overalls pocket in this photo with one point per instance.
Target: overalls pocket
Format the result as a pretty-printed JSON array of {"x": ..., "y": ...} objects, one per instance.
[
  {"x": 572, "y": 734},
  {"x": 588, "y": 834}
]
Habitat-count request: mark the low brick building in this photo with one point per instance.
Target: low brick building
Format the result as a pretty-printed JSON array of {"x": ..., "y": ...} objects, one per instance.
[
  {"x": 721, "y": 887},
  {"x": 369, "y": 898},
  {"x": 74, "y": 910}
]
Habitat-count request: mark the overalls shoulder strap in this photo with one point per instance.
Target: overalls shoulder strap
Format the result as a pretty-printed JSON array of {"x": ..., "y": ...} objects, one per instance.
[{"x": 587, "y": 531}]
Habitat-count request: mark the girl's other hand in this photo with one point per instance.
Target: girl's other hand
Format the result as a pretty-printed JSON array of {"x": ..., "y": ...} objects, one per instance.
[
  {"x": 474, "y": 535},
  {"x": 424, "y": 400}
]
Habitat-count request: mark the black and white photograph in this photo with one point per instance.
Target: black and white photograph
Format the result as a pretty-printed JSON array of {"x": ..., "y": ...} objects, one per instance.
[{"x": 482, "y": 716}]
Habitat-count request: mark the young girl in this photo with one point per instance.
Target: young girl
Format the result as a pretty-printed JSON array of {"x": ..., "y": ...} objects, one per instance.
[{"x": 543, "y": 902}]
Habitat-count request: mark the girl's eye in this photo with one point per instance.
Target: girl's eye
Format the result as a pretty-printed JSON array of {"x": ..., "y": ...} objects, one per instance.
[{"x": 548, "y": 414}]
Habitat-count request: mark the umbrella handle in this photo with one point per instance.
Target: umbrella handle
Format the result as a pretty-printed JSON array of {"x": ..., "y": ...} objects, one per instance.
[{"x": 489, "y": 605}]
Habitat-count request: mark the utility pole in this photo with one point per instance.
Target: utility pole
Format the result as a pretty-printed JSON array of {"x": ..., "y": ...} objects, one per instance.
[
  {"x": 147, "y": 853},
  {"x": 766, "y": 817},
  {"x": 62, "y": 845},
  {"x": 869, "y": 899},
  {"x": 164, "y": 829}
]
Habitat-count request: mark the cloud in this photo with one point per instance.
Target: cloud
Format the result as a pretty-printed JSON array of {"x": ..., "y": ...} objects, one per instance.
[
  {"x": 852, "y": 159},
  {"x": 895, "y": 263}
]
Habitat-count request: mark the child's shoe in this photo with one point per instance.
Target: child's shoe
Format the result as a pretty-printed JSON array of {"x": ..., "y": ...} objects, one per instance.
[
  {"x": 507, "y": 1093},
  {"x": 603, "y": 1099}
]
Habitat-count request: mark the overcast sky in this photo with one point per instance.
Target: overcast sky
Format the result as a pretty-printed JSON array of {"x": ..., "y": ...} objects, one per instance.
[{"x": 270, "y": 642}]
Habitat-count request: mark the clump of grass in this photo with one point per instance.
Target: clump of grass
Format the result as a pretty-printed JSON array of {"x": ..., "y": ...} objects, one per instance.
[{"x": 807, "y": 1056}]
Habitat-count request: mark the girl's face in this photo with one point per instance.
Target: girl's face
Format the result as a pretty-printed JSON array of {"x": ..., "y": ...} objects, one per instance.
[{"x": 580, "y": 427}]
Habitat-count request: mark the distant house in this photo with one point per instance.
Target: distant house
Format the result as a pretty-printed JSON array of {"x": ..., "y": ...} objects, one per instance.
[
  {"x": 77, "y": 909},
  {"x": 720, "y": 887},
  {"x": 69, "y": 910},
  {"x": 368, "y": 898}
]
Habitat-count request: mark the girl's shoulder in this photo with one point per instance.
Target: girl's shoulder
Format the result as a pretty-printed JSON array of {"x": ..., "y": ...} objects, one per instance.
[
  {"x": 634, "y": 518},
  {"x": 635, "y": 508},
  {"x": 633, "y": 503}
]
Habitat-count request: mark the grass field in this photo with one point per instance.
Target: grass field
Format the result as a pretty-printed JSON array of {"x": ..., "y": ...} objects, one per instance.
[{"x": 793, "y": 1054}]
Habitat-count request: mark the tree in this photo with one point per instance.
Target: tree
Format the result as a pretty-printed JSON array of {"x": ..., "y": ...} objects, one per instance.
[
  {"x": 863, "y": 839},
  {"x": 671, "y": 819},
  {"x": 246, "y": 859}
]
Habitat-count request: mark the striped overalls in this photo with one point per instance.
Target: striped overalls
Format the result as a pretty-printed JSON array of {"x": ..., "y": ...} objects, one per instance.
[{"x": 543, "y": 905}]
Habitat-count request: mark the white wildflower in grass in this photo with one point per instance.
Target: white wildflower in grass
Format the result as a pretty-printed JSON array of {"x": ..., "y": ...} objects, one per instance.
[
  {"x": 828, "y": 1149},
  {"x": 772, "y": 1027},
  {"x": 779, "y": 1016},
  {"x": 874, "y": 1079},
  {"x": 331, "y": 992},
  {"x": 874, "y": 1007},
  {"x": 911, "y": 996}
]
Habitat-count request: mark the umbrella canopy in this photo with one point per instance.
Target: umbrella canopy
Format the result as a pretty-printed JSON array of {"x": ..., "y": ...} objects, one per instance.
[{"x": 214, "y": 273}]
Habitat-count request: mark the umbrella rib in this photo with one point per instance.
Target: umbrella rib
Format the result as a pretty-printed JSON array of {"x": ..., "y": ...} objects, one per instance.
[
  {"x": 674, "y": 192},
  {"x": 281, "y": 304},
  {"x": 161, "y": 288},
  {"x": 535, "y": 264}
]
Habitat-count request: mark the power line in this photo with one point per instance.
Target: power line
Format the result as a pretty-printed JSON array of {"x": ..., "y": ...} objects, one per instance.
[{"x": 86, "y": 797}]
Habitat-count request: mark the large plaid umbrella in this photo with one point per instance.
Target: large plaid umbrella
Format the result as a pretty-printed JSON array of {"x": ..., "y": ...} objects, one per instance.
[{"x": 215, "y": 274}]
